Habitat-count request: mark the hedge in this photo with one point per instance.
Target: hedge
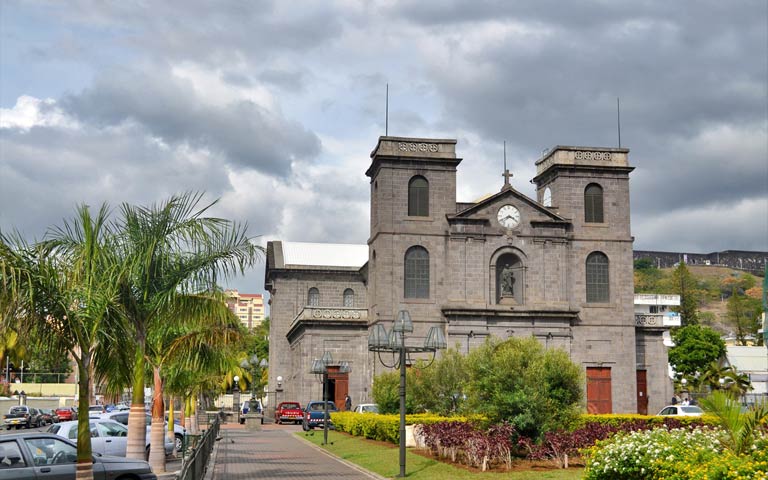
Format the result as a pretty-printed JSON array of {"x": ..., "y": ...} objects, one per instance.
[{"x": 383, "y": 427}]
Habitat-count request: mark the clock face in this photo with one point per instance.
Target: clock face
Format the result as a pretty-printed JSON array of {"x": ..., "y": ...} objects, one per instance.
[{"x": 508, "y": 216}]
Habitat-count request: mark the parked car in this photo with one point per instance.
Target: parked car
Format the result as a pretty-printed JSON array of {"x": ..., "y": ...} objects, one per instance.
[
  {"x": 22, "y": 416},
  {"x": 108, "y": 437},
  {"x": 682, "y": 411},
  {"x": 49, "y": 417},
  {"x": 66, "y": 413},
  {"x": 289, "y": 412},
  {"x": 367, "y": 408},
  {"x": 246, "y": 408},
  {"x": 44, "y": 455},
  {"x": 96, "y": 409},
  {"x": 122, "y": 417},
  {"x": 314, "y": 415}
]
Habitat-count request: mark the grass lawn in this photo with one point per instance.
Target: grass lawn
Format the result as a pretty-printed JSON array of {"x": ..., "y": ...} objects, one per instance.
[{"x": 383, "y": 459}]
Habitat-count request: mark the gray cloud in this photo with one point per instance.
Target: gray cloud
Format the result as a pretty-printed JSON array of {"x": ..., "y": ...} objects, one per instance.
[{"x": 247, "y": 134}]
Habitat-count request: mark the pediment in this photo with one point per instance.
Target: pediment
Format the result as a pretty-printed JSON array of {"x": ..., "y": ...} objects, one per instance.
[{"x": 486, "y": 208}]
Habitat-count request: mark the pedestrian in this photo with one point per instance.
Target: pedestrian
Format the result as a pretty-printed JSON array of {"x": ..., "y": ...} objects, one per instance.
[
  {"x": 685, "y": 402},
  {"x": 347, "y": 403},
  {"x": 675, "y": 400}
]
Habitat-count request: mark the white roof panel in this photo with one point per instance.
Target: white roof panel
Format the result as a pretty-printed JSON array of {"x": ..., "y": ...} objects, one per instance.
[
  {"x": 325, "y": 254},
  {"x": 748, "y": 359}
]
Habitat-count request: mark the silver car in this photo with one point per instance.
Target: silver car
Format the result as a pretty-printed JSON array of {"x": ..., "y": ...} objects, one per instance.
[
  {"x": 107, "y": 436},
  {"x": 44, "y": 455}
]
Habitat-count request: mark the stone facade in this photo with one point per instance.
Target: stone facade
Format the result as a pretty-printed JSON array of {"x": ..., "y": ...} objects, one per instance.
[{"x": 505, "y": 266}]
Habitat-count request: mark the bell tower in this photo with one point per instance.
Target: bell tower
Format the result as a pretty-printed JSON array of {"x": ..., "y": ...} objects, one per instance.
[{"x": 413, "y": 188}]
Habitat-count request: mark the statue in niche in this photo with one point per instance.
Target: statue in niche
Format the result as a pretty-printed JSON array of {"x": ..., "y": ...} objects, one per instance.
[{"x": 507, "y": 281}]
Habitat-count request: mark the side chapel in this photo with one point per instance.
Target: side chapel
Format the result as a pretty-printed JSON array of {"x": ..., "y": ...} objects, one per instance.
[{"x": 558, "y": 267}]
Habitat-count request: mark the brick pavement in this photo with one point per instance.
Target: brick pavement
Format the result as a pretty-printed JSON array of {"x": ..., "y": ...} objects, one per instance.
[{"x": 276, "y": 453}]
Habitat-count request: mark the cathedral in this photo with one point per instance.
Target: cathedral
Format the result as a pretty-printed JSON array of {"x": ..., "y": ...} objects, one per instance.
[{"x": 558, "y": 267}]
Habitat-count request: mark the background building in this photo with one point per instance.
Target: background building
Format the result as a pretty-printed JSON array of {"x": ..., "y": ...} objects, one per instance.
[{"x": 249, "y": 307}]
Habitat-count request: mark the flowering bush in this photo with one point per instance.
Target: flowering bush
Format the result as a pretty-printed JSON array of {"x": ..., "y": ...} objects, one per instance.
[
  {"x": 677, "y": 454},
  {"x": 561, "y": 443}
]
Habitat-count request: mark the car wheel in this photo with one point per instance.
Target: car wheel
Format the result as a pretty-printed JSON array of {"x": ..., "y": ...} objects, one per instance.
[
  {"x": 146, "y": 454},
  {"x": 8, "y": 427},
  {"x": 304, "y": 427},
  {"x": 179, "y": 443}
]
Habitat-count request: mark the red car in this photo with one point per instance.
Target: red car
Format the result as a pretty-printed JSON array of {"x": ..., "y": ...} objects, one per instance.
[
  {"x": 66, "y": 414},
  {"x": 288, "y": 412}
]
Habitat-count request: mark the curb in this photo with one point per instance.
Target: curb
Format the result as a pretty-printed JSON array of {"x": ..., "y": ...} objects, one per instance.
[{"x": 351, "y": 465}]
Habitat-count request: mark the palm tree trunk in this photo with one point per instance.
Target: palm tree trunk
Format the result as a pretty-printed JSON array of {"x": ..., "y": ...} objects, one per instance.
[
  {"x": 157, "y": 432},
  {"x": 84, "y": 452},
  {"x": 137, "y": 424},
  {"x": 171, "y": 422}
]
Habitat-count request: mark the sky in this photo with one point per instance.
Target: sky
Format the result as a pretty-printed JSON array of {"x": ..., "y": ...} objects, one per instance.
[{"x": 272, "y": 108}]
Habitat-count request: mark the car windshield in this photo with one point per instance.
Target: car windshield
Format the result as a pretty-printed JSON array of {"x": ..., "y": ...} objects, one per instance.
[
  {"x": 17, "y": 410},
  {"x": 291, "y": 405},
  {"x": 371, "y": 408},
  {"x": 691, "y": 409}
]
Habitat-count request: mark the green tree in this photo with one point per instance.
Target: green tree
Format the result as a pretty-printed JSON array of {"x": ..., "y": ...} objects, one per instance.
[
  {"x": 695, "y": 348},
  {"x": 439, "y": 388},
  {"x": 63, "y": 293},
  {"x": 684, "y": 284},
  {"x": 520, "y": 381},
  {"x": 743, "y": 315},
  {"x": 172, "y": 252},
  {"x": 384, "y": 392}
]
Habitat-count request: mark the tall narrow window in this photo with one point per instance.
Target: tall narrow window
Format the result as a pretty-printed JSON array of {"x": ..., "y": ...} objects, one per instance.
[
  {"x": 349, "y": 298},
  {"x": 593, "y": 203},
  {"x": 416, "y": 273},
  {"x": 597, "y": 278},
  {"x": 313, "y": 297},
  {"x": 418, "y": 197}
]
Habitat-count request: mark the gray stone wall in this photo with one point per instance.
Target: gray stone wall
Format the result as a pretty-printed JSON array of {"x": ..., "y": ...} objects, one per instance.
[{"x": 287, "y": 298}]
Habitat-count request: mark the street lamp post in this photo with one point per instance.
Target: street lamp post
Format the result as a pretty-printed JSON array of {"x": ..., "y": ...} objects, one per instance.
[
  {"x": 379, "y": 340},
  {"x": 255, "y": 365},
  {"x": 236, "y": 398},
  {"x": 320, "y": 369}
]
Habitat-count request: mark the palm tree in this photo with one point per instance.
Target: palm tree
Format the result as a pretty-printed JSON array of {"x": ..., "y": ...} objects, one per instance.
[
  {"x": 62, "y": 292},
  {"x": 204, "y": 324},
  {"x": 171, "y": 251},
  {"x": 739, "y": 428}
]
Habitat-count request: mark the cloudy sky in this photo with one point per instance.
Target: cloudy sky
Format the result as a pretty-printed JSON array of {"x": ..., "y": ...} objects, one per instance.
[{"x": 274, "y": 107}]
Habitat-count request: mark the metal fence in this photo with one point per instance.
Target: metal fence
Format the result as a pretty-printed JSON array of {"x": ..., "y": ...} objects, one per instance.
[{"x": 197, "y": 452}]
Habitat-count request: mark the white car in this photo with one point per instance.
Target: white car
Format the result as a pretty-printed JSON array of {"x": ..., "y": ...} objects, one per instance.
[
  {"x": 107, "y": 436},
  {"x": 682, "y": 411},
  {"x": 367, "y": 408},
  {"x": 122, "y": 417}
]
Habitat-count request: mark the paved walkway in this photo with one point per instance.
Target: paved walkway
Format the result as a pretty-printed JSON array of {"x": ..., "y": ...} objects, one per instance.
[{"x": 276, "y": 453}]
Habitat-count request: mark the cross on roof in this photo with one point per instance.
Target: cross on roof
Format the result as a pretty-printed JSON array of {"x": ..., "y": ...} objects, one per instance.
[{"x": 506, "y": 176}]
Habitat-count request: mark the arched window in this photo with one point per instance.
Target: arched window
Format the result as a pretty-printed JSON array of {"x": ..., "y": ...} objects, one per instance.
[
  {"x": 313, "y": 297},
  {"x": 349, "y": 298},
  {"x": 418, "y": 197},
  {"x": 547, "y": 197},
  {"x": 416, "y": 273},
  {"x": 597, "y": 278},
  {"x": 593, "y": 203}
]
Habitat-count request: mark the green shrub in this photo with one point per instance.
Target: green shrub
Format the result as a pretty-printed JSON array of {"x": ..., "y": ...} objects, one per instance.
[
  {"x": 385, "y": 428},
  {"x": 520, "y": 381}
]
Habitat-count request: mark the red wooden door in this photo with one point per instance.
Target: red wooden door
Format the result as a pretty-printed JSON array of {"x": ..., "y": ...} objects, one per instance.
[
  {"x": 599, "y": 390},
  {"x": 642, "y": 392},
  {"x": 339, "y": 386}
]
